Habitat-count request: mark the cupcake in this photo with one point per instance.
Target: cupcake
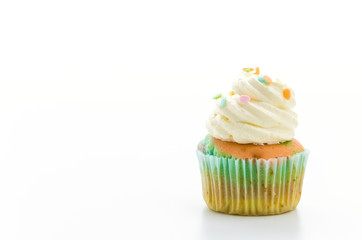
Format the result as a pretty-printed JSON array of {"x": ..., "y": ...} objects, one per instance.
[{"x": 250, "y": 162}]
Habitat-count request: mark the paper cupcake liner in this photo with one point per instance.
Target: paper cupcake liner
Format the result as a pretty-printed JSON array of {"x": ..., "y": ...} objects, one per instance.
[{"x": 252, "y": 186}]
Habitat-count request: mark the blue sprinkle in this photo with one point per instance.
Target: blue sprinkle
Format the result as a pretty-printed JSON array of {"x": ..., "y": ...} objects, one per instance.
[
  {"x": 262, "y": 80},
  {"x": 223, "y": 102}
]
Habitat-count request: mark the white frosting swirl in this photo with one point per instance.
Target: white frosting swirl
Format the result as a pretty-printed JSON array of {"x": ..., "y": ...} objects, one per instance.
[{"x": 266, "y": 119}]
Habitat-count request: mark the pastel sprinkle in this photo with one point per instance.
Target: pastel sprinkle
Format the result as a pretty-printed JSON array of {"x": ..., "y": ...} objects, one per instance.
[
  {"x": 257, "y": 71},
  {"x": 244, "y": 98},
  {"x": 248, "y": 69},
  {"x": 224, "y": 117},
  {"x": 262, "y": 80},
  {"x": 217, "y": 96},
  {"x": 223, "y": 102},
  {"x": 278, "y": 80},
  {"x": 268, "y": 79},
  {"x": 286, "y": 93}
]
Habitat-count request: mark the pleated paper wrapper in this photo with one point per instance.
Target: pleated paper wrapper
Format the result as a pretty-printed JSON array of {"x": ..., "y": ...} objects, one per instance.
[{"x": 252, "y": 186}]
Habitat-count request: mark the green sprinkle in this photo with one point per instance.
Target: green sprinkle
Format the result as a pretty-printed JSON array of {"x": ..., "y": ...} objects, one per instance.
[
  {"x": 217, "y": 96},
  {"x": 223, "y": 102},
  {"x": 262, "y": 80}
]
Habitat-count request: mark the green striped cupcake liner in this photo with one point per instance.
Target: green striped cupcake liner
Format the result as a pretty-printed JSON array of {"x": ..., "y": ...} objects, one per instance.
[{"x": 252, "y": 186}]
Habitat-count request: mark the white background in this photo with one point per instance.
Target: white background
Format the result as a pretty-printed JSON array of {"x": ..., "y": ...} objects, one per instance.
[{"x": 102, "y": 104}]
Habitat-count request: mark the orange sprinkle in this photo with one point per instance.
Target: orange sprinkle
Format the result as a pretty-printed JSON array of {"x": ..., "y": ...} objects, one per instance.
[
  {"x": 257, "y": 71},
  {"x": 248, "y": 69},
  {"x": 286, "y": 93},
  {"x": 267, "y": 79}
]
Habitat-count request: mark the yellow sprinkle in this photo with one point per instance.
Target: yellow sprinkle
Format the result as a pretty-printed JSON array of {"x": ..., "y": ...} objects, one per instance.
[
  {"x": 231, "y": 136},
  {"x": 232, "y": 93},
  {"x": 225, "y": 118}
]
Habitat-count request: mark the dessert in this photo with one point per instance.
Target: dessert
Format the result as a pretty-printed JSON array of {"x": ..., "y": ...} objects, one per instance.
[{"x": 250, "y": 162}]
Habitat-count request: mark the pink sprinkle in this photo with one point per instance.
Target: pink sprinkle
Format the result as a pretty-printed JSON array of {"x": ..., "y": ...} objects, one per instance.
[{"x": 244, "y": 98}]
